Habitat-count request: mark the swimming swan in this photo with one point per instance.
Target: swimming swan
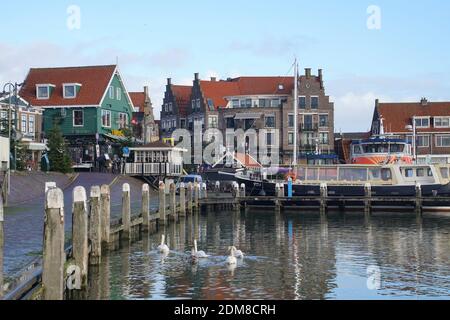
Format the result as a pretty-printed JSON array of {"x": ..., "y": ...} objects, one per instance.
[
  {"x": 198, "y": 254},
  {"x": 231, "y": 260},
  {"x": 163, "y": 248},
  {"x": 238, "y": 253}
]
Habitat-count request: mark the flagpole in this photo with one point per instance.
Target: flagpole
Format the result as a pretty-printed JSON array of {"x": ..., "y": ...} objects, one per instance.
[{"x": 295, "y": 112}]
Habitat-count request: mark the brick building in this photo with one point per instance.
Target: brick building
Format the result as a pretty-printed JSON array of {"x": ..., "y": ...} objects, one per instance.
[{"x": 143, "y": 123}]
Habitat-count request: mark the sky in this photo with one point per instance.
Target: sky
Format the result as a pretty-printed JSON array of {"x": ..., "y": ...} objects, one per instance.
[{"x": 390, "y": 50}]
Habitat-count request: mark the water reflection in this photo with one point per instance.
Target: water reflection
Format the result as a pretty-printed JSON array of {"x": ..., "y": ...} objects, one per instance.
[{"x": 288, "y": 256}]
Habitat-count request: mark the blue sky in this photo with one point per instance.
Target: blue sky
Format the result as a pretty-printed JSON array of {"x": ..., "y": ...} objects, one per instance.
[{"x": 406, "y": 59}]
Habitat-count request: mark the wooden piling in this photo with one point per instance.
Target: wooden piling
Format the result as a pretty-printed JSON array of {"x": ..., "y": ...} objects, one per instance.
[
  {"x": 173, "y": 216},
  {"x": 190, "y": 197},
  {"x": 196, "y": 195},
  {"x": 419, "y": 200},
  {"x": 236, "y": 194},
  {"x": 2, "y": 219},
  {"x": 182, "y": 200},
  {"x": 105, "y": 206},
  {"x": 204, "y": 191},
  {"x": 367, "y": 199},
  {"x": 162, "y": 203},
  {"x": 323, "y": 198},
  {"x": 95, "y": 230},
  {"x": 126, "y": 212},
  {"x": 80, "y": 252},
  {"x": 279, "y": 195},
  {"x": 54, "y": 256},
  {"x": 145, "y": 210}
]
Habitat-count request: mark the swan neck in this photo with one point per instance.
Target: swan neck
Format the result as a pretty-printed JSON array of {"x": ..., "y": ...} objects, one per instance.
[{"x": 163, "y": 239}]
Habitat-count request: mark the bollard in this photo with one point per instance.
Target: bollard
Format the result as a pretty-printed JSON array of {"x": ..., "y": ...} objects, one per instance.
[
  {"x": 162, "y": 203},
  {"x": 367, "y": 199},
  {"x": 105, "y": 206},
  {"x": 189, "y": 197},
  {"x": 80, "y": 251},
  {"x": 54, "y": 256},
  {"x": 145, "y": 210},
  {"x": 323, "y": 198},
  {"x": 1, "y": 245},
  {"x": 196, "y": 195},
  {"x": 217, "y": 188},
  {"x": 126, "y": 212},
  {"x": 95, "y": 238},
  {"x": 173, "y": 216},
  {"x": 182, "y": 200},
  {"x": 204, "y": 191},
  {"x": 242, "y": 191},
  {"x": 418, "y": 200}
]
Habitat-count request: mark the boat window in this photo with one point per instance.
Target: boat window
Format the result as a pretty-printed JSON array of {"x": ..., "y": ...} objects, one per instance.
[
  {"x": 430, "y": 172},
  {"x": 397, "y": 148},
  {"x": 376, "y": 148},
  {"x": 312, "y": 174},
  {"x": 444, "y": 173},
  {"x": 328, "y": 174},
  {"x": 353, "y": 174},
  {"x": 409, "y": 173},
  {"x": 374, "y": 174},
  {"x": 386, "y": 174},
  {"x": 356, "y": 149},
  {"x": 420, "y": 172}
]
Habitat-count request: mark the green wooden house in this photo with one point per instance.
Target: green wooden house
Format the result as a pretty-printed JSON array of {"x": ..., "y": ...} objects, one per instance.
[{"x": 91, "y": 105}]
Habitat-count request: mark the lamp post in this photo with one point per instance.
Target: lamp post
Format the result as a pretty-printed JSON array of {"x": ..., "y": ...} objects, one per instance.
[{"x": 413, "y": 128}]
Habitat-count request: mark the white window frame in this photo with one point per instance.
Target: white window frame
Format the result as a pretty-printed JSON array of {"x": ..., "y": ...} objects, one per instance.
[
  {"x": 31, "y": 120},
  {"x": 66, "y": 85},
  {"x": 274, "y": 121},
  {"x": 423, "y": 118},
  {"x": 293, "y": 137},
  {"x": 423, "y": 136},
  {"x": 73, "y": 118},
  {"x": 170, "y": 107},
  {"x": 321, "y": 140},
  {"x": 106, "y": 112},
  {"x": 197, "y": 104},
  {"x": 216, "y": 121},
  {"x": 441, "y": 126},
  {"x": 310, "y": 102},
  {"x": 293, "y": 120},
  {"x": 272, "y": 133},
  {"x": 38, "y": 86},
  {"x": 123, "y": 120},
  {"x": 23, "y": 119},
  {"x": 440, "y": 136},
  {"x": 119, "y": 93},
  {"x": 328, "y": 120},
  {"x": 111, "y": 92}
]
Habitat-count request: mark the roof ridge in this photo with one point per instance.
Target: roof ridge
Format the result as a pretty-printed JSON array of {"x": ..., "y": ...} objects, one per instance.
[{"x": 76, "y": 67}]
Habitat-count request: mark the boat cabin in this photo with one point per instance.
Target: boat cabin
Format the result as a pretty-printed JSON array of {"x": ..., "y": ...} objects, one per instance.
[{"x": 381, "y": 151}]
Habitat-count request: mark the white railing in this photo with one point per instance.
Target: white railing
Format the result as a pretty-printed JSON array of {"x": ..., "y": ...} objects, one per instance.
[{"x": 153, "y": 169}]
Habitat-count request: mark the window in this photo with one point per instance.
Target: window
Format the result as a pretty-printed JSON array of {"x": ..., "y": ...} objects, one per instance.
[
  {"x": 78, "y": 118},
  {"x": 123, "y": 120},
  {"x": 3, "y": 120},
  {"x": 270, "y": 138},
  {"x": 198, "y": 104},
  {"x": 106, "y": 118},
  {"x": 230, "y": 123},
  {"x": 70, "y": 91},
  {"x": 409, "y": 173},
  {"x": 323, "y": 120},
  {"x": 248, "y": 103},
  {"x": 210, "y": 104},
  {"x": 291, "y": 120},
  {"x": 183, "y": 123},
  {"x": 302, "y": 102},
  {"x": 170, "y": 107},
  {"x": 111, "y": 92},
  {"x": 442, "y": 122},
  {"x": 291, "y": 138},
  {"x": 193, "y": 105},
  {"x": 174, "y": 123},
  {"x": 242, "y": 103},
  {"x": 119, "y": 94},
  {"x": 270, "y": 121},
  {"x": 275, "y": 103},
  {"x": 43, "y": 92},
  {"x": 443, "y": 141},
  {"x": 24, "y": 123},
  {"x": 262, "y": 103},
  {"x": 235, "y": 103},
  {"x": 423, "y": 141},
  {"x": 324, "y": 138},
  {"x": 422, "y": 122},
  {"x": 213, "y": 122},
  {"x": 314, "y": 102}
]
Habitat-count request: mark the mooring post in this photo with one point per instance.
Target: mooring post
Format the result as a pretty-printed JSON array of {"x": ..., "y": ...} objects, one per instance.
[
  {"x": 277, "y": 199},
  {"x": 145, "y": 210},
  {"x": 80, "y": 251},
  {"x": 105, "y": 206},
  {"x": 2, "y": 219},
  {"x": 217, "y": 188},
  {"x": 126, "y": 212},
  {"x": 182, "y": 200},
  {"x": 204, "y": 191},
  {"x": 236, "y": 195},
  {"x": 95, "y": 229},
  {"x": 323, "y": 198},
  {"x": 49, "y": 185},
  {"x": 173, "y": 202},
  {"x": 196, "y": 196},
  {"x": 367, "y": 199},
  {"x": 419, "y": 200},
  {"x": 54, "y": 256},
  {"x": 189, "y": 197},
  {"x": 162, "y": 203}
]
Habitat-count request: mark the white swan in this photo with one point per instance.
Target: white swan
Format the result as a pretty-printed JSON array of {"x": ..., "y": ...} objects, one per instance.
[
  {"x": 198, "y": 254},
  {"x": 238, "y": 253},
  {"x": 163, "y": 248},
  {"x": 231, "y": 260}
]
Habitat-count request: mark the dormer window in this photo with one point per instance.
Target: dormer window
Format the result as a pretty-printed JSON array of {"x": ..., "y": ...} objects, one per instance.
[
  {"x": 43, "y": 91},
  {"x": 70, "y": 90}
]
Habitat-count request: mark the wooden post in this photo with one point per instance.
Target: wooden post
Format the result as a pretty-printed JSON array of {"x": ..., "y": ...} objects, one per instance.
[
  {"x": 162, "y": 203},
  {"x": 1, "y": 245},
  {"x": 105, "y": 205},
  {"x": 145, "y": 210},
  {"x": 419, "y": 200},
  {"x": 182, "y": 200},
  {"x": 126, "y": 212},
  {"x": 54, "y": 256},
  {"x": 323, "y": 198},
  {"x": 196, "y": 196},
  {"x": 277, "y": 201},
  {"x": 189, "y": 197},
  {"x": 282, "y": 193},
  {"x": 80, "y": 251},
  {"x": 204, "y": 191},
  {"x": 173, "y": 203},
  {"x": 236, "y": 193},
  {"x": 95, "y": 230},
  {"x": 368, "y": 199}
]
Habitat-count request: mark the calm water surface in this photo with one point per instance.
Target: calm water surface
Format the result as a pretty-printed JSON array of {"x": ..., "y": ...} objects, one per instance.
[{"x": 289, "y": 256}]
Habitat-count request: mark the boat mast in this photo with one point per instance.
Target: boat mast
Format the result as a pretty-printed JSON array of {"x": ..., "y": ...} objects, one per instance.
[{"x": 295, "y": 111}]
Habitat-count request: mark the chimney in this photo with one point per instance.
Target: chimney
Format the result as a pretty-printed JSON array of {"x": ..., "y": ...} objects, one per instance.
[
  {"x": 169, "y": 81},
  {"x": 308, "y": 72},
  {"x": 213, "y": 79},
  {"x": 146, "y": 91},
  {"x": 377, "y": 102},
  {"x": 196, "y": 75},
  {"x": 424, "y": 102},
  {"x": 321, "y": 78}
]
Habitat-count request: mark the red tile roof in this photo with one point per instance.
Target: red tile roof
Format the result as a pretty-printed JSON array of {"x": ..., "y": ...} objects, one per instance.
[
  {"x": 94, "y": 81},
  {"x": 138, "y": 99},
  {"x": 399, "y": 115},
  {"x": 183, "y": 97}
]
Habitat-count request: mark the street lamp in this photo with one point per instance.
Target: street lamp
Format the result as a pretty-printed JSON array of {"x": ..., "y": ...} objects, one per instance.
[{"x": 414, "y": 141}]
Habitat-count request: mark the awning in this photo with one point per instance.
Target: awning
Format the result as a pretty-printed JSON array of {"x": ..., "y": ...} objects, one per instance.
[
  {"x": 245, "y": 116},
  {"x": 117, "y": 138}
]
